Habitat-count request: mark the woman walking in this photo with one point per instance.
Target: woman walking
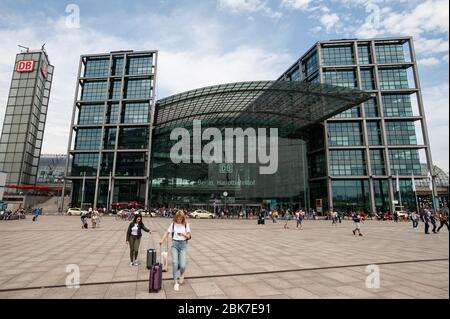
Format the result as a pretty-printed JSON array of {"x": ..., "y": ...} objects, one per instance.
[
  {"x": 180, "y": 232},
  {"x": 287, "y": 218},
  {"x": 134, "y": 235}
]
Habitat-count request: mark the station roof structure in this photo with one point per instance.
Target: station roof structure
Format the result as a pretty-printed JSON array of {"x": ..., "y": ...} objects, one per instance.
[{"x": 289, "y": 106}]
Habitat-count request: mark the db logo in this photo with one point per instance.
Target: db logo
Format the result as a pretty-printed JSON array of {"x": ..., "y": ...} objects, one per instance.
[{"x": 25, "y": 66}]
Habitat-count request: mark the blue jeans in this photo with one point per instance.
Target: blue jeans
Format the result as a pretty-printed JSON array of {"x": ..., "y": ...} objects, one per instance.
[{"x": 179, "y": 252}]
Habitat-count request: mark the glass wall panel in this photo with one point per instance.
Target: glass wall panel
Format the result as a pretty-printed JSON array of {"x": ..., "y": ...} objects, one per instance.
[
  {"x": 405, "y": 162},
  {"x": 351, "y": 195},
  {"x": 131, "y": 164},
  {"x": 338, "y": 55},
  {"x": 401, "y": 133},
  {"x": 348, "y": 163},
  {"x": 345, "y": 134},
  {"x": 133, "y": 138},
  {"x": 85, "y": 163}
]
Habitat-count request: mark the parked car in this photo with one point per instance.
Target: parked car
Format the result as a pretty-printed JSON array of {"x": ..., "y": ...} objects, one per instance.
[
  {"x": 202, "y": 214},
  {"x": 75, "y": 211},
  {"x": 403, "y": 215}
]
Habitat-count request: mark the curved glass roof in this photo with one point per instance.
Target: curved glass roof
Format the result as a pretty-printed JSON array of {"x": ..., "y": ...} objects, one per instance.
[
  {"x": 441, "y": 177},
  {"x": 289, "y": 106}
]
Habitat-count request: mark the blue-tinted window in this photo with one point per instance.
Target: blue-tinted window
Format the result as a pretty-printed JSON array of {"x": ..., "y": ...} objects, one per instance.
[
  {"x": 93, "y": 91},
  {"x": 371, "y": 108},
  {"x": 401, "y": 133},
  {"x": 112, "y": 114},
  {"x": 88, "y": 139},
  {"x": 106, "y": 166},
  {"x": 84, "y": 163},
  {"x": 136, "y": 113},
  {"x": 345, "y": 133},
  {"x": 138, "y": 89},
  {"x": 96, "y": 67},
  {"x": 116, "y": 90},
  {"x": 374, "y": 133},
  {"x": 393, "y": 79},
  {"x": 310, "y": 65},
  {"x": 397, "y": 105},
  {"x": 345, "y": 78},
  {"x": 364, "y": 54},
  {"x": 91, "y": 114},
  {"x": 405, "y": 162},
  {"x": 109, "y": 141},
  {"x": 389, "y": 53},
  {"x": 135, "y": 138},
  {"x": 131, "y": 164},
  {"x": 338, "y": 55},
  {"x": 350, "y": 113},
  {"x": 294, "y": 75},
  {"x": 351, "y": 195},
  {"x": 367, "y": 79},
  {"x": 377, "y": 162},
  {"x": 139, "y": 65},
  {"x": 118, "y": 66},
  {"x": 347, "y": 163}
]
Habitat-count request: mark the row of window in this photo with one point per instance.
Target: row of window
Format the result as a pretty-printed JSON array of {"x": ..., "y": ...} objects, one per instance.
[
  {"x": 136, "y": 65},
  {"x": 129, "y": 138},
  {"x": 131, "y": 113},
  {"x": 128, "y": 164},
  {"x": 353, "y": 162},
  {"x": 351, "y": 134},
  {"x": 344, "y": 55},
  {"x": 133, "y": 89}
]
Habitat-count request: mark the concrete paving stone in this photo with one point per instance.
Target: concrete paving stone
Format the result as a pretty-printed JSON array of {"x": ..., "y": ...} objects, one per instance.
[
  {"x": 206, "y": 289},
  {"x": 43, "y": 247},
  {"x": 298, "y": 293},
  {"x": 354, "y": 292}
]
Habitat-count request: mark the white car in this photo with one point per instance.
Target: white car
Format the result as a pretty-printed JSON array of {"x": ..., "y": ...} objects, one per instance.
[
  {"x": 75, "y": 211},
  {"x": 202, "y": 214}
]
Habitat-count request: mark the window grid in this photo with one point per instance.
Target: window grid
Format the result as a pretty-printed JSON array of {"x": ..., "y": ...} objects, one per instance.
[
  {"x": 344, "y": 78},
  {"x": 139, "y": 65},
  {"x": 84, "y": 163},
  {"x": 393, "y": 79},
  {"x": 371, "y": 108},
  {"x": 118, "y": 66},
  {"x": 389, "y": 53},
  {"x": 96, "y": 68},
  {"x": 93, "y": 91},
  {"x": 374, "y": 133},
  {"x": 91, "y": 114},
  {"x": 401, "y": 133},
  {"x": 112, "y": 116},
  {"x": 345, "y": 134},
  {"x": 136, "y": 113},
  {"x": 367, "y": 79},
  {"x": 405, "y": 162},
  {"x": 342, "y": 55},
  {"x": 116, "y": 90},
  {"x": 397, "y": 105},
  {"x": 354, "y": 112},
  {"x": 364, "y": 54},
  {"x": 137, "y": 89},
  {"x": 311, "y": 65},
  {"x": 348, "y": 163},
  {"x": 88, "y": 139},
  {"x": 377, "y": 162}
]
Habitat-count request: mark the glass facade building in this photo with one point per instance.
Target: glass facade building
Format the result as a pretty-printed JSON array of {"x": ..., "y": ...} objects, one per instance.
[
  {"x": 25, "y": 117},
  {"x": 355, "y": 164},
  {"x": 109, "y": 144}
]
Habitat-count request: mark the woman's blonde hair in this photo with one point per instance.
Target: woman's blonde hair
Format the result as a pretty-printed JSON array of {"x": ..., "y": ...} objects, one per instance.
[{"x": 181, "y": 215}]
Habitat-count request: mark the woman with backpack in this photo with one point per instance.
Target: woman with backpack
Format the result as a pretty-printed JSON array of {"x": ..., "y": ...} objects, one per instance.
[
  {"x": 180, "y": 232},
  {"x": 134, "y": 235}
]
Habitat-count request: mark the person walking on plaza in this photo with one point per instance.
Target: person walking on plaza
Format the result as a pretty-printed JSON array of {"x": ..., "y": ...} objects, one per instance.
[
  {"x": 133, "y": 238},
  {"x": 180, "y": 231},
  {"x": 36, "y": 213},
  {"x": 433, "y": 219},
  {"x": 334, "y": 218},
  {"x": 415, "y": 220},
  {"x": 426, "y": 220},
  {"x": 84, "y": 224},
  {"x": 287, "y": 218},
  {"x": 357, "y": 220},
  {"x": 299, "y": 219},
  {"x": 443, "y": 218}
]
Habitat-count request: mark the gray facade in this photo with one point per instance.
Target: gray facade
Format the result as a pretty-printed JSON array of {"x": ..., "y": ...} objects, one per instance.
[
  {"x": 26, "y": 113},
  {"x": 356, "y": 156},
  {"x": 110, "y": 133}
]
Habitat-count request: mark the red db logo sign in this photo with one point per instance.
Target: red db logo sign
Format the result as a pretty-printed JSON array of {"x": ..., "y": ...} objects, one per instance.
[{"x": 25, "y": 66}]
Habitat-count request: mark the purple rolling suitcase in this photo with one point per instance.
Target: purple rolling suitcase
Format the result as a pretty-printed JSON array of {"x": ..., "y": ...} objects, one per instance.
[{"x": 155, "y": 280}]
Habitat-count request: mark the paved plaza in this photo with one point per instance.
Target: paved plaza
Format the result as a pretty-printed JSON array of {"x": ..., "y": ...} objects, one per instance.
[{"x": 226, "y": 259}]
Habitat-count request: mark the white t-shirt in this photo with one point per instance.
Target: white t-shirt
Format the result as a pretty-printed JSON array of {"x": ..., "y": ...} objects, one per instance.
[
  {"x": 179, "y": 228},
  {"x": 134, "y": 230}
]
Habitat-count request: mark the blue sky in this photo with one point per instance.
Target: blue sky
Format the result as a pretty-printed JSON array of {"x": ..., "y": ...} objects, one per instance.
[{"x": 206, "y": 42}]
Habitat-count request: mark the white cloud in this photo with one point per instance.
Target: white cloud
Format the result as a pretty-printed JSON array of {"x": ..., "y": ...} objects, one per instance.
[
  {"x": 296, "y": 4},
  {"x": 329, "y": 20},
  {"x": 436, "y": 101},
  {"x": 248, "y": 6},
  {"x": 428, "y": 61}
]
